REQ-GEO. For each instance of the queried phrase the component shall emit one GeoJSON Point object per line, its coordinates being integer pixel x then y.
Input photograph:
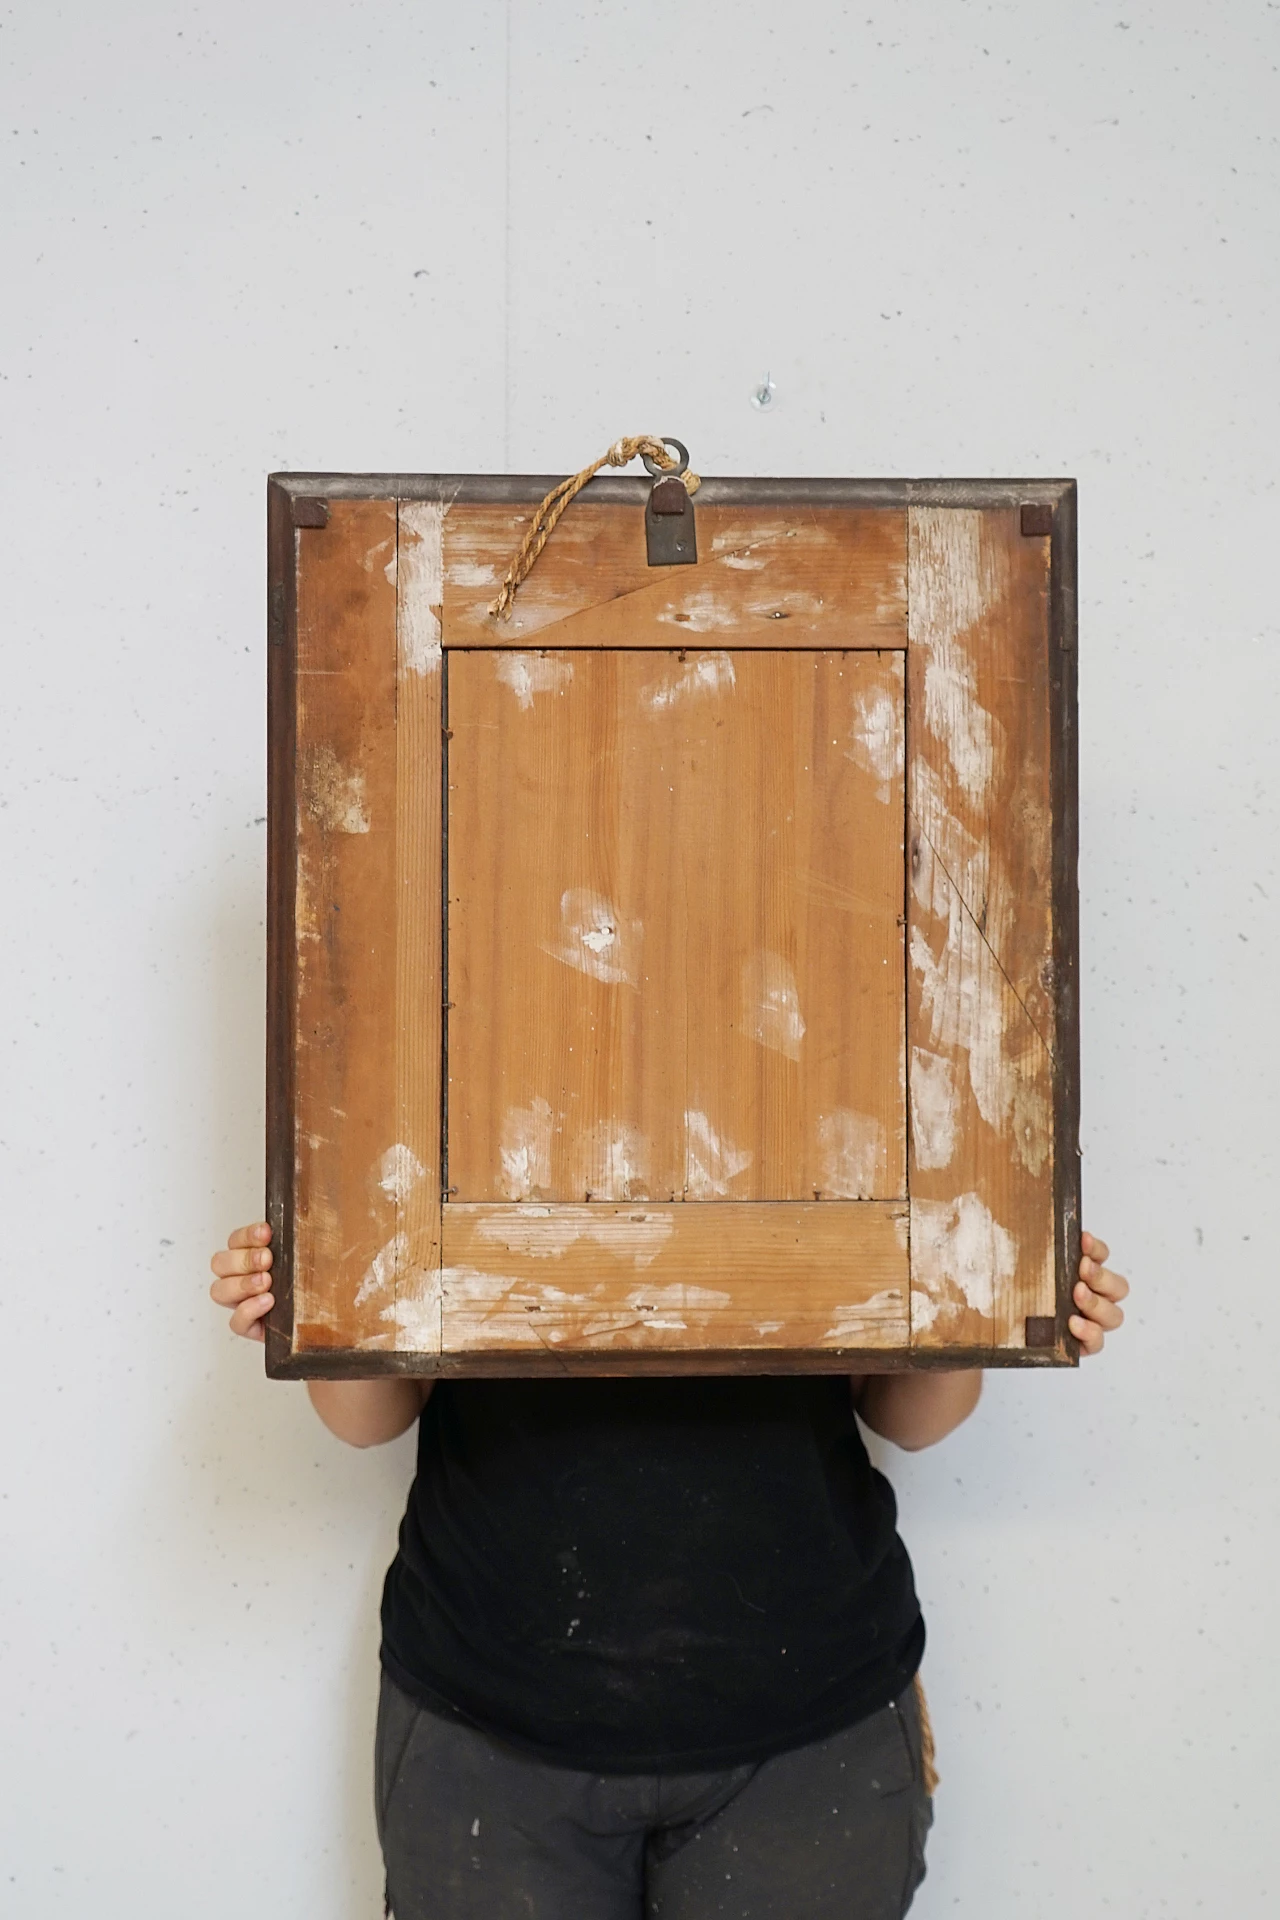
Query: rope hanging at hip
{"type": "Point", "coordinates": [545, 520]}
{"type": "Point", "coordinates": [928, 1753]}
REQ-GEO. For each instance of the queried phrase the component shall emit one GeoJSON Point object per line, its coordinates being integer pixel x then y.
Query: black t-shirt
{"type": "Point", "coordinates": [650, 1575]}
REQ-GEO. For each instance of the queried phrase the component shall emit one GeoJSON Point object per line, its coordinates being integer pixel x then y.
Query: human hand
{"type": "Point", "coordinates": [243, 1279]}
{"type": "Point", "coordinates": [1097, 1294]}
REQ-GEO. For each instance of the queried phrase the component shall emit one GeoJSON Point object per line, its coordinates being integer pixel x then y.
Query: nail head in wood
{"type": "Point", "coordinates": [1037, 519]}
{"type": "Point", "coordinates": [1042, 1328]}
{"type": "Point", "coordinates": [310, 513]}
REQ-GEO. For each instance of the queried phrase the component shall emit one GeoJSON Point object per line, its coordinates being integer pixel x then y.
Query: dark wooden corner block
{"type": "Point", "coordinates": [315, 513]}
{"type": "Point", "coordinates": [1042, 1330]}
{"type": "Point", "coordinates": [1037, 519]}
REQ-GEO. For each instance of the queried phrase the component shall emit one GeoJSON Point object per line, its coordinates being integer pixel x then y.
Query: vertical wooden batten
{"type": "Point", "coordinates": [980, 936]}
{"type": "Point", "coordinates": [416, 1152]}
{"type": "Point", "coordinates": [343, 1232]}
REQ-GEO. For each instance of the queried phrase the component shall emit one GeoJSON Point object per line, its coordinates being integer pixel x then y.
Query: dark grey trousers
{"type": "Point", "coordinates": [472, 1829]}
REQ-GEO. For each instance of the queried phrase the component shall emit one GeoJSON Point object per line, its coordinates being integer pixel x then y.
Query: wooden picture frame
{"type": "Point", "coordinates": [679, 975]}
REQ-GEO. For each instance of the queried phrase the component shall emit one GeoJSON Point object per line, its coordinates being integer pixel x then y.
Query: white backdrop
{"type": "Point", "coordinates": [962, 238]}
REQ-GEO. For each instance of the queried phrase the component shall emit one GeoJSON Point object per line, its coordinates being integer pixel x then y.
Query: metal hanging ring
{"type": "Point", "coordinates": [669, 473]}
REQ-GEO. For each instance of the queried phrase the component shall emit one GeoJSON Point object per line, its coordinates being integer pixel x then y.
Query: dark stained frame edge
{"type": "Point", "coordinates": [521, 489]}
{"type": "Point", "coordinates": [348, 1363]}
{"type": "Point", "coordinates": [1064, 788]}
{"type": "Point", "coordinates": [282, 657]}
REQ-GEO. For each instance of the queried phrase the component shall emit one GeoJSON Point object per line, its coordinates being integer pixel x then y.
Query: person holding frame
{"type": "Point", "coordinates": [650, 1647]}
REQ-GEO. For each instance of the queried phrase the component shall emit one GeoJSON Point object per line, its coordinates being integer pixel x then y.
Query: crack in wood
{"type": "Point", "coordinates": [980, 927]}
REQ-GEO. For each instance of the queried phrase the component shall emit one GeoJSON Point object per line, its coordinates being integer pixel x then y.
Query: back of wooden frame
{"type": "Point", "coordinates": [894, 662]}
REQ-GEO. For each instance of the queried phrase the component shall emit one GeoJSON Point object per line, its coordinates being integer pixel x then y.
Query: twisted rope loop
{"type": "Point", "coordinates": [545, 520]}
{"type": "Point", "coordinates": [928, 1753]}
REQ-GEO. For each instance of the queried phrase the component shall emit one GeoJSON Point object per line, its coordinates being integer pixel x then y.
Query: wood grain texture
{"type": "Point", "coordinates": [414, 1170]}
{"type": "Point", "coordinates": [550, 1279]}
{"type": "Point", "coordinates": [368, 927]}
{"type": "Point", "coordinates": [675, 939]}
{"type": "Point", "coordinates": [787, 878]}
{"type": "Point", "coordinates": [822, 577]}
{"type": "Point", "coordinates": [980, 978]}
{"type": "Point", "coordinates": [346, 955]}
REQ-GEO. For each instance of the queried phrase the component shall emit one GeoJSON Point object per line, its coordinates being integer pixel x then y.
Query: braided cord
{"type": "Point", "coordinates": [546, 519]}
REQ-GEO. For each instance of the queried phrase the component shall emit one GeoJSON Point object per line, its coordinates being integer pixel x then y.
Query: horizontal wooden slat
{"type": "Point", "coordinates": [829, 577]}
{"type": "Point", "coordinates": [758, 1275]}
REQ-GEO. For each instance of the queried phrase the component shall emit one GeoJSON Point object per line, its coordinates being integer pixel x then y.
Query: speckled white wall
{"type": "Point", "coordinates": [962, 238]}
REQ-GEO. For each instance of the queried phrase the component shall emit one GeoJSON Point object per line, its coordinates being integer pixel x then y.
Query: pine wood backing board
{"type": "Point", "coordinates": [766, 1278]}
{"type": "Point", "coordinates": [369, 618]}
{"type": "Point", "coordinates": [675, 926]}
{"type": "Point", "coordinates": [365, 903]}
{"type": "Point", "coordinates": [980, 929]}
{"type": "Point", "coordinates": [826, 577]}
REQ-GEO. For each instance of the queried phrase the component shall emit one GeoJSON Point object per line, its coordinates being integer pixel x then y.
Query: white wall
{"type": "Point", "coordinates": [964, 239]}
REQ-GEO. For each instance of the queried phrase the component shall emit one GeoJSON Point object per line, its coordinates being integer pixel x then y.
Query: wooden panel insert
{"type": "Point", "coordinates": [675, 926]}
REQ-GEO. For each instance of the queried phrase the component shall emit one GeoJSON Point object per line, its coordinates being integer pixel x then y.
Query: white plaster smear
{"type": "Point", "coordinates": [472, 573]}
{"type": "Point", "coordinates": [420, 584]}
{"type": "Point", "coordinates": [960, 1256]}
{"type": "Point", "coordinates": [530, 673]}
{"type": "Point", "coordinates": [786, 605]}
{"type": "Point", "coordinates": [711, 1161]}
{"type": "Point", "coordinates": [415, 1313]}
{"type": "Point", "coordinates": [399, 1171]}
{"type": "Point", "coordinates": [966, 858]}
{"type": "Point", "coordinates": [701, 612]}
{"type": "Point", "coordinates": [525, 1150]}
{"type": "Point", "coordinates": [877, 740]}
{"type": "Point", "coordinates": [950, 591]}
{"type": "Point", "coordinates": [742, 536]}
{"type": "Point", "coordinates": [852, 1154]}
{"type": "Point", "coordinates": [381, 1270]}
{"type": "Point", "coordinates": [962, 995]}
{"type": "Point", "coordinates": [853, 1323]}
{"type": "Point", "coordinates": [612, 1162]}
{"type": "Point", "coordinates": [664, 1308]}
{"type": "Point", "coordinates": [771, 1003]}
{"type": "Point", "coordinates": [481, 1305]}
{"type": "Point", "coordinates": [596, 939]}
{"type": "Point", "coordinates": [953, 715]}
{"type": "Point", "coordinates": [969, 1005]}
{"type": "Point", "coordinates": [335, 798]}
{"type": "Point", "coordinates": [707, 673]}
{"type": "Point", "coordinates": [933, 1108]}
{"type": "Point", "coordinates": [545, 1233]}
